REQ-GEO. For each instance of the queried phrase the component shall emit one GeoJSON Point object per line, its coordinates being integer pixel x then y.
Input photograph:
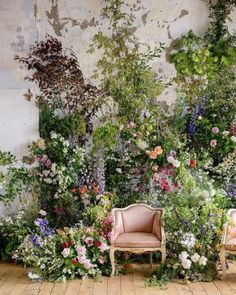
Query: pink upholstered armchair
{"type": "Point", "coordinates": [229, 240]}
{"type": "Point", "coordinates": [137, 228]}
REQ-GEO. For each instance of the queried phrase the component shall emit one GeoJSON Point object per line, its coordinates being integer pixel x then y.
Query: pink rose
{"type": "Point", "coordinates": [155, 177]}
{"type": "Point", "coordinates": [89, 241]}
{"type": "Point", "coordinates": [81, 250]}
{"type": "Point", "coordinates": [103, 247]}
{"type": "Point", "coordinates": [215, 130]}
{"type": "Point", "coordinates": [42, 212]}
{"type": "Point", "coordinates": [101, 260]}
{"type": "Point", "coordinates": [213, 143]}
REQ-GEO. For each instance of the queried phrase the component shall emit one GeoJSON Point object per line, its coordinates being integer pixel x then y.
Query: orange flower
{"type": "Point", "coordinates": [152, 155]}
{"type": "Point", "coordinates": [83, 189]}
{"type": "Point", "coordinates": [158, 150]}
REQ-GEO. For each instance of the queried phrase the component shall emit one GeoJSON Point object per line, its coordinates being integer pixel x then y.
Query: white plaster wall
{"type": "Point", "coordinates": [74, 22]}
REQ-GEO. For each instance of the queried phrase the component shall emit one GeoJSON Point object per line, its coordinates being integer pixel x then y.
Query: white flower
{"type": "Point", "coordinates": [42, 212]}
{"type": "Point", "coordinates": [53, 135]}
{"type": "Point", "coordinates": [195, 258]}
{"type": "Point", "coordinates": [183, 255]}
{"type": "Point", "coordinates": [33, 276]}
{"type": "Point", "coordinates": [64, 150]}
{"type": "Point", "coordinates": [141, 144]}
{"type": "Point", "coordinates": [66, 143]}
{"type": "Point", "coordinates": [200, 118]}
{"type": "Point", "coordinates": [42, 266]}
{"type": "Point", "coordinates": [188, 240]}
{"type": "Point", "coordinates": [66, 252]}
{"type": "Point", "coordinates": [233, 138]}
{"type": "Point", "coordinates": [203, 260]}
{"type": "Point", "coordinates": [186, 263]}
{"type": "Point", "coordinates": [225, 133]}
{"type": "Point", "coordinates": [119, 170]}
{"type": "Point", "coordinates": [170, 159]}
{"type": "Point", "coordinates": [176, 163]}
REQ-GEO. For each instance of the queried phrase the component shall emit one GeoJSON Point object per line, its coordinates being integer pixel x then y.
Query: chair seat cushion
{"type": "Point", "coordinates": [137, 240]}
{"type": "Point", "coordinates": [231, 245]}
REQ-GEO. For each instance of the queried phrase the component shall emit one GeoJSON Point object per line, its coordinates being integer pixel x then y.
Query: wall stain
{"type": "Point", "coordinates": [88, 23]}
{"type": "Point", "coordinates": [19, 44]}
{"type": "Point", "coordinates": [144, 17]}
{"type": "Point", "coordinates": [168, 31]}
{"type": "Point", "coordinates": [183, 13]}
{"type": "Point", "coordinates": [54, 19]}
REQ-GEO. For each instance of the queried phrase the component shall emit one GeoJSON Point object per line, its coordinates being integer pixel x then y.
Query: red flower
{"type": "Point", "coordinates": [193, 163]}
{"type": "Point", "coordinates": [67, 244]}
{"type": "Point", "coordinates": [98, 243]}
{"type": "Point", "coordinates": [74, 261]}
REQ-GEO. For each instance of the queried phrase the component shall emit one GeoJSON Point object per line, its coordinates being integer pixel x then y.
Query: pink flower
{"type": "Point", "coordinates": [89, 241]}
{"type": "Point", "coordinates": [42, 212]}
{"type": "Point", "coordinates": [81, 250]}
{"type": "Point", "coordinates": [215, 130]}
{"type": "Point", "coordinates": [84, 261]}
{"type": "Point", "coordinates": [101, 260]}
{"type": "Point", "coordinates": [155, 177]}
{"type": "Point", "coordinates": [103, 247]}
{"type": "Point", "coordinates": [66, 252]}
{"type": "Point", "coordinates": [213, 143]}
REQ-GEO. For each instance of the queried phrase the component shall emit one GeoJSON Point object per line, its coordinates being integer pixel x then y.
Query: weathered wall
{"type": "Point", "coordinates": [74, 22]}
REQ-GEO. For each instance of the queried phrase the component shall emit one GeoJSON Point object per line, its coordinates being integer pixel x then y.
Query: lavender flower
{"type": "Point", "coordinates": [198, 111]}
{"type": "Point", "coordinates": [100, 170]}
{"type": "Point", "coordinates": [35, 240]}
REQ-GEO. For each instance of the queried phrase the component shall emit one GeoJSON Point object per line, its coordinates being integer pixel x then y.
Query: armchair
{"type": "Point", "coordinates": [137, 228]}
{"type": "Point", "coordinates": [229, 240]}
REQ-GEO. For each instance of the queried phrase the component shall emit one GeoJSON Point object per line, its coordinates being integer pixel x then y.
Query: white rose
{"type": "Point", "coordinates": [203, 260]}
{"type": "Point", "coordinates": [176, 163]}
{"type": "Point", "coordinates": [42, 212]}
{"type": "Point", "coordinates": [183, 255]}
{"type": "Point", "coordinates": [66, 252]}
{"type": "Point", "coordinates": [233, 138]}
{"type": "Point", "coordinates": [186, 263]}
{"type": "Point", "coordinates": [53, 135]}
{"type": "Point", "coordinates": [225, 133]}
{"type": "Point", "coordinates": [195, 258]}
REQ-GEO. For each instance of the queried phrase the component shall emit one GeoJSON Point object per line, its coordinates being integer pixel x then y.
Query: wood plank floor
{"type": "Point", "coordinates": [14, 281]}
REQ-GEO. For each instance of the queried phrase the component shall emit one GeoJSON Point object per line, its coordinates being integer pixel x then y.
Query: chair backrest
{"type": "Point", "coordinates": [231, 230]}
{"type": "Point", "coordinates": [138, 218]}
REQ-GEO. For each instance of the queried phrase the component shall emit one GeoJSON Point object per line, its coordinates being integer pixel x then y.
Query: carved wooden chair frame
{"type": "Point", "coordinates": [137, 250]}
{"type": "Point", "coordinates": [224, 251]}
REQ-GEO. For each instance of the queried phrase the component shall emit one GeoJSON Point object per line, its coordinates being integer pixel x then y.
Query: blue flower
{"type": "Point", "coordinates": [35, 240]}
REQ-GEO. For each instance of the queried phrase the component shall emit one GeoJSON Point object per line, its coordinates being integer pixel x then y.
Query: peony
{"type": "Point", "coordinates": [195, 258]}
{"type": "Point", "coordinates": [66, 252]}
{"type": "Point", "coordinates": [89, 241]}
{"type": "Point", "coordinates": [215, 130]}
{"type": "Point", "coordinates": [213, 143]}
{"type": "Point", "coordinates": [233, 138]}
{"type": "Point", "coordinates": [203, 260]}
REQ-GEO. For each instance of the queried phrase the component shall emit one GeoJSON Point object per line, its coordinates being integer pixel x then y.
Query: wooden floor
{"type": "Point", "coordinates": [14, 281]}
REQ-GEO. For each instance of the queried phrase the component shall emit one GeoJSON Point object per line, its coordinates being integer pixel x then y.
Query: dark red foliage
{"type": "Point", "coordinates": [57, 73]}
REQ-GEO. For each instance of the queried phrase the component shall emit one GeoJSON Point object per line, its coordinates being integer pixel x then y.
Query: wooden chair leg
{"type": "Point", "coordinates": [223, 262]}
{"type": "Point", "coordinates": [163, 255]}
{"type": "Point", "coordinates": [150, 260]}
{"type": "Point", "coordinates": [112, 259]}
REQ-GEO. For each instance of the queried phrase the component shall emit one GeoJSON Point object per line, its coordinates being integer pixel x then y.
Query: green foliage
{"type": "Point", "coordinates": [72, 125]}
{"type": "Point", "coordinates": [104, 136]}
{"type": "Point", "coordinates": [124, 70]}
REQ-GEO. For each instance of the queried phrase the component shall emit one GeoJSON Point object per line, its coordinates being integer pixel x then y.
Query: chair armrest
{"type": "Point", "coordinates": [163, 236]}
{"type": "Point", "coordinates": [117, 225]}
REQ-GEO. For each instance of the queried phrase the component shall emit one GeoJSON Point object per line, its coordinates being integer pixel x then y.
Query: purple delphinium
{"type": "Point", "coordinates": [42, 224]}
{"type": "Point", "coordinates": [35, 240]}
{"type": "Point", "coordinates": [231, 190]}
{"type": "Point", "coordinates": [197, 112]}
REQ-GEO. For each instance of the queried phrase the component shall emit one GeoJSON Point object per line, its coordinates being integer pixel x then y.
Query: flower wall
{"type": "Point", "coordinates": [114, 145]}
